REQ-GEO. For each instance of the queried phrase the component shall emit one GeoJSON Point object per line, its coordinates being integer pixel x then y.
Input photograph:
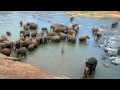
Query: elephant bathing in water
{"type": "Point", "coordinates": [90, 66]}
{"type": "Point", "coordinates": [95, 30]}
{"type": "Point", "coordinates": [21, 51]}
{"type": "Point", "coordinates": [114, 25]}
{"type": "Point", "coordinates": [83, 38]}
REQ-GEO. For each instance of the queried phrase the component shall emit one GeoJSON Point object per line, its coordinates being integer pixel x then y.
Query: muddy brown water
{"type": "Point", "coordinates": [49, 56]}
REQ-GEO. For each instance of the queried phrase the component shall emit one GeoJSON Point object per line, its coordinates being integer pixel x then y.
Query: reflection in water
{"type": "Point", "coordinates": [62, 58]}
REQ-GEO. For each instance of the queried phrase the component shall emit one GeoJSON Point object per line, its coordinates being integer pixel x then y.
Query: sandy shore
{"type": "Point", "coordinates": [10, 69]}
{"type": "Point", "coordinates": [95, 14]}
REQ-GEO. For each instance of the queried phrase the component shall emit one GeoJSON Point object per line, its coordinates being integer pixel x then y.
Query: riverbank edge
{"type": "Point", "coordinates": [10, 69]}
{"type": "Point", "coordinates": [113, 14]}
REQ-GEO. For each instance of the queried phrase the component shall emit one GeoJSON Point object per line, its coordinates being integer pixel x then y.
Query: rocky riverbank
{"type": "Point", "coordinates": [10, 69]}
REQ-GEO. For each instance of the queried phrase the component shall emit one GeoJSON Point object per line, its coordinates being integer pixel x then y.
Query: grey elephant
{"type": "Point", "coordinates": [32, 25]}
{"type": "Point", "coordinates": [90, 66]}
{"type": "Point", "coordinates": [16, 44]}
{"type": "Point", "coordinates": [26, 27]}
{"type": "Point", "coordinates": [76, 29]}
{"type": "Point", "coordinates": [3, 38]}
{"type": "Point", "coordinates": [83, 38]}
{"type": "Point", "coordinates": [71, 38]}
{"type": "Point", "coordinates": [26, 33]}
{"type": "Point", "coordinates": [34, 34]}
{"type": "Point", "coordinates": [55, 38]}
{"type": "Point", "coordinates": [114, 25]}
{"type": "Point", "coordinates": [21, 51]}
{"type": "Point", "coordinates": [2, 45]}
{"type": "Point", "coordinates": [62, 35]}
{"type": "Point", "coordinates": [55, 26]}
{"type": "Point", "coordinates": [39, 39]}
{"type": "Point", "coordinates": [98, 35]}
{"type": "Point", "coordinates": [50, 33]}
{"type": "Point", "coordinates": [71, 31]}
{"type": "Point", "coordinates": [34, 41]}
{"type": "Point", "coordinates": [95, 30]}
{"type": "Point", "coordinates": [6, 51]}
{"type": "Point", "coordinates": [71, 18]}
{"type": "Point", "coordinates": [31, 47]}
{"type": "Point", "coordinates": [9, 44]}
{"type": "Point", "coordinates": [44, 28]}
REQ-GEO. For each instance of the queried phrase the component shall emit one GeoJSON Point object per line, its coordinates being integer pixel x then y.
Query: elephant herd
{"type": "Point", "coordinates": [57, 32]}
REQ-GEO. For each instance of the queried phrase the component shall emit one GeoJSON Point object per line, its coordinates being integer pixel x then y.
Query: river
{"type": "Point", "coordinates": [48, 56]}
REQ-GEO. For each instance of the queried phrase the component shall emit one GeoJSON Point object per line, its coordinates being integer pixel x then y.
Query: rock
{"type": "Point", "coordinates": [116, 61]}
{"type": "Point", "coordinates": [106, 65]}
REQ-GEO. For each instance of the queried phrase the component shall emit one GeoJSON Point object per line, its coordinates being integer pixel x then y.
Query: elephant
{"type": "Point", "coordinates": [98, 35]}
{"type": "Point", "coordinates": [95, 30]}
{"type": "Point", "coordinates": [16, 44]}
{"type": "Point", "coordinates": [71, 38]}
{"type": "Point", "coordinates": [3, 38]}
{"type": "Point", "coordinates": [62, 28]}
{"type": "Point", "coordinates": [50, 33]}
{"type": "Point", "coordinates": [44, 28]}
{"type": "Point", "coordinates": [26, 27]}
{"type": "Point", "coordinates": [114, 25]}
{"type": "Point", "coordinates": [34, 41]}
{"type": "Point", "coordinates": [62, 35]}
{"type": "Point", "coordinates": [32, 25]}
{"type": "Point", "coordinates": [21, 51]}
{"type": "Point", "coordinates": [26, 33]}
{"type": "Point", "coordinates": [2, 45]}
{"type": "Point", "coordinates": [71, 18]}
{"type": "Point", "coordinates": [34, 34]}
{"type": "Point", "coordinates": [8, 33]}
{"type": "Point", "coordinates": [6, 51]}
{"type": "Point", "coordinates": [71, 31]}
{"type": "Point", "coordinates": [31, 47]}
{"type": "Point", "coordinates": [83, 38]}
{"type": "Point", "coordinates": [39, 39]}
{"type": "Point", "coordinates": [55, 26]}
{"type": "Point", "coordinates": [9, 44]}
{"type": "Point", "coordinates": [74, 25]}
{"type": "Point", "coordinates": [90, 66]}
{"type": "Point", "coordinates": [55, 38]}
{"type": "Point", "coordinates": [76, 28]}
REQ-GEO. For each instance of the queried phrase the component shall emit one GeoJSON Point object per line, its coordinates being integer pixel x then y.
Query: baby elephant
{"type": "Point", "coordinates": [83, 38]}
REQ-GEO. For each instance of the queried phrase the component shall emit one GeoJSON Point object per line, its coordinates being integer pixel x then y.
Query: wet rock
{"type": "Point", "coordinates": [106, 65]}
{"type": "Point", "coordinates": [115, 60]}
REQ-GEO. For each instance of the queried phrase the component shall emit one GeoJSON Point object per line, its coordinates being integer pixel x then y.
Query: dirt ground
{"type": "Point", "coordinates": [10, 69]}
